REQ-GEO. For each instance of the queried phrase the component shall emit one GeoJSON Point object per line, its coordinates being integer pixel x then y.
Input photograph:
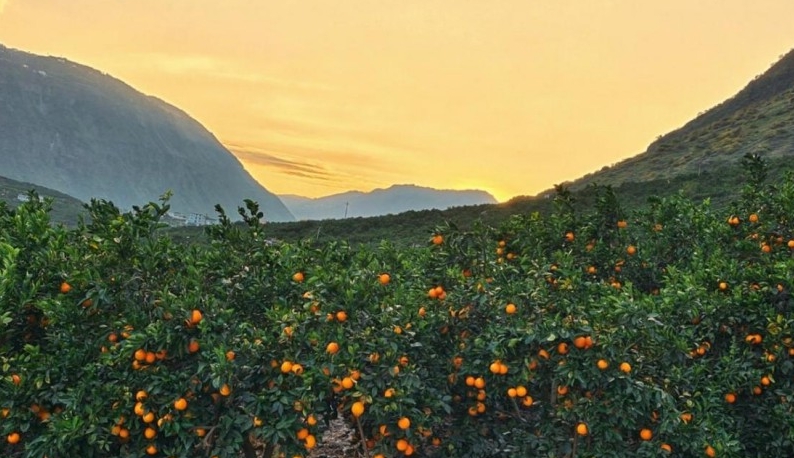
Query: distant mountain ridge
{"type": "Point", "coordinates": [74, 129]}
{"type": "Point", "coordinates": [759, 119]}
{"type": "Point", "coordinates": [392, 200]}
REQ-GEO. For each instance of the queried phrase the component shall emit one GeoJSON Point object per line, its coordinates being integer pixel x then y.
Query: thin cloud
{"type": "Point", "coordinates": [295, 168]}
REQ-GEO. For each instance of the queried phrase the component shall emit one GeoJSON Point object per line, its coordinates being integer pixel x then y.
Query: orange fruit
{"type": "Point", "coordinates": [140, 354]}
{"type": "Point", "coordinates": [543, 354]}
{"type": "Point", "coordinates": [569, 237]}
{"type": "Point", "coordinates": [562, 390]}
{"type": "Point", "coordinates": [646, 434]}
{"type": "Point", "coordinates": [286, 367]}
{"type": "Point", "coordinates": [602, 364]}
{"type": "Point", "coordinates": [479, 383]}
{"type": "Point", "coordinates": [622, 224]}
{"type": "Point", "coordinates": [149, 433]}
{"type": "Point", "coordinates": [766, 381]}
{"type": "Point", "coordinates": [388, 393]}
{"type": "Point", "coordinates": [384, 279]}
{"type": "Point", "coordinates": [13, 438]}
{"type": "Point", "coordinates": [521, 391]}
{"type": "Point", "coordinates": [438, 239]}
{"type": "Point", "coordinates": [297, 277]}
{"type": "Point", "coordinates": [332, 348]}
{"type": "Point", "coordinates": [404, 423]}
{"type": "Point", "coordinates": [581, 429]}
{"type": "Point", "coordinates": [666, 447]}
{"type": "Point", "coordinates": [310, 442]}
{"type": "Point", "coordinates": [511, 392]}
{"type": "Point", "coordinates": [16, 379]}
{"type": "Point", "coordinates": [730, 398]}
{"type": "Point", "coordinates": [753, 339]}
{"type": "Point", "coordinates": [580, 342]}
{"type": "Point", "coordinates": [631, 250]}
{"type": "Point", "coordinates": [65, 287]}
{"type": "Point", "coordinates": [151, 450]}
{"type": "Point", "coordinates": [625, 367]}
{"type": "Point", "coordinates": [347, 383]}
{"type": "Point", "coordinates": [180, 404]}
{"type": "Point", "coordinates": [225, 390]}
{"type": "Point", "coordinates": [341, 316]}
{"type": "Point", "coordinates": [401, 445]}
{"type": "Point", "coordinates": [710, 452]}
{"type": "Point", "coordinates": [297, 369]}
{"type": "Point", "coordinates": [510, 309]}
{"type": "Point", "coordinates": [753, 218]}
{"type": "Point", "coordinates": [302, 434]}
{"type": "Point", "coordinates": [357, 409]}
{"type": "Point", "coordinates": [311, 420]}
{"type": "Point", "coordinates": [527, 401]}
{"type": "Point", "coordinates": [686, 417]}
{"type": "Point", "coordinates": [723, 286]}
{"type": "Point", "coordinates": [195, 317]}
{"type": "Point", "coordinates": [193, 346]}
{"type": "Point", "coordinates": [230, 355]}
{"type": "Point", "coordinates": [562, 348]}
{"type": "Point", "coordinates": [148, 417]}
{"type": "Point", "coordinates": [151, 357]}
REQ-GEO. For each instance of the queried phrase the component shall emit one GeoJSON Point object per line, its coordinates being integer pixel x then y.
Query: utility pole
{"type": "Point", "coordinates": [347, 204]}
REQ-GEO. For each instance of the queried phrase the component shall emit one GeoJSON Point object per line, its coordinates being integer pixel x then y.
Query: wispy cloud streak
{"type": "Point", "coordinates": [290, 167]}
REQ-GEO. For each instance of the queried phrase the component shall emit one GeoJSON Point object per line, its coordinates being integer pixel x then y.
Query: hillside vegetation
{"type": "Point", "coordinates": [65, 209]}
{"type": "Point", "coordinates": [759, 119]}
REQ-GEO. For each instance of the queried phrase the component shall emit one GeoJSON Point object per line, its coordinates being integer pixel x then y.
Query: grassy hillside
{"type": "Point", "coordinates": [757, 120]}
{"type": "Point", "coordinates": [65, 209]}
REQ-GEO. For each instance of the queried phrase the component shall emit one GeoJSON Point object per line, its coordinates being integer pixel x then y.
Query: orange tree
{"type": "Point", "coordinates": [660, 331]}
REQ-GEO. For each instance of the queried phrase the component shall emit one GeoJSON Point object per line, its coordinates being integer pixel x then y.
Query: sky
{"type": "Point", "coordinates": [318, 97]}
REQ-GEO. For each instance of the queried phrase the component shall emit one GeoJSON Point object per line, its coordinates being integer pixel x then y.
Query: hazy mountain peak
{"type": "Point", "coordinates": [382, 201]}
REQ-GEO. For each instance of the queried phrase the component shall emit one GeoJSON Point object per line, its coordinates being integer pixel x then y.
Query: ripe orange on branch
{"type": "Point", "coordinates": [357, 409]}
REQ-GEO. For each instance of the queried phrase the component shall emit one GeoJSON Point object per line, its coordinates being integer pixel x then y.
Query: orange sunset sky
{"type": "Point", "coordinates": [317, 97]}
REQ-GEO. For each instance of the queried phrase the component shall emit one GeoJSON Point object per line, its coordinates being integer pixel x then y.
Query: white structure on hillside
{"type": "Point", "coordinates": [198, 219]}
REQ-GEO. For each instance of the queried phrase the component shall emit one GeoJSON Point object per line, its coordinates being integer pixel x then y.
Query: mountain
{"type": "Point", "coordinates": [395, 199]}
{"type": "Point", "coordinates": [758, 119]}
{"type": "Point", "coordinates": [79, 131]}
